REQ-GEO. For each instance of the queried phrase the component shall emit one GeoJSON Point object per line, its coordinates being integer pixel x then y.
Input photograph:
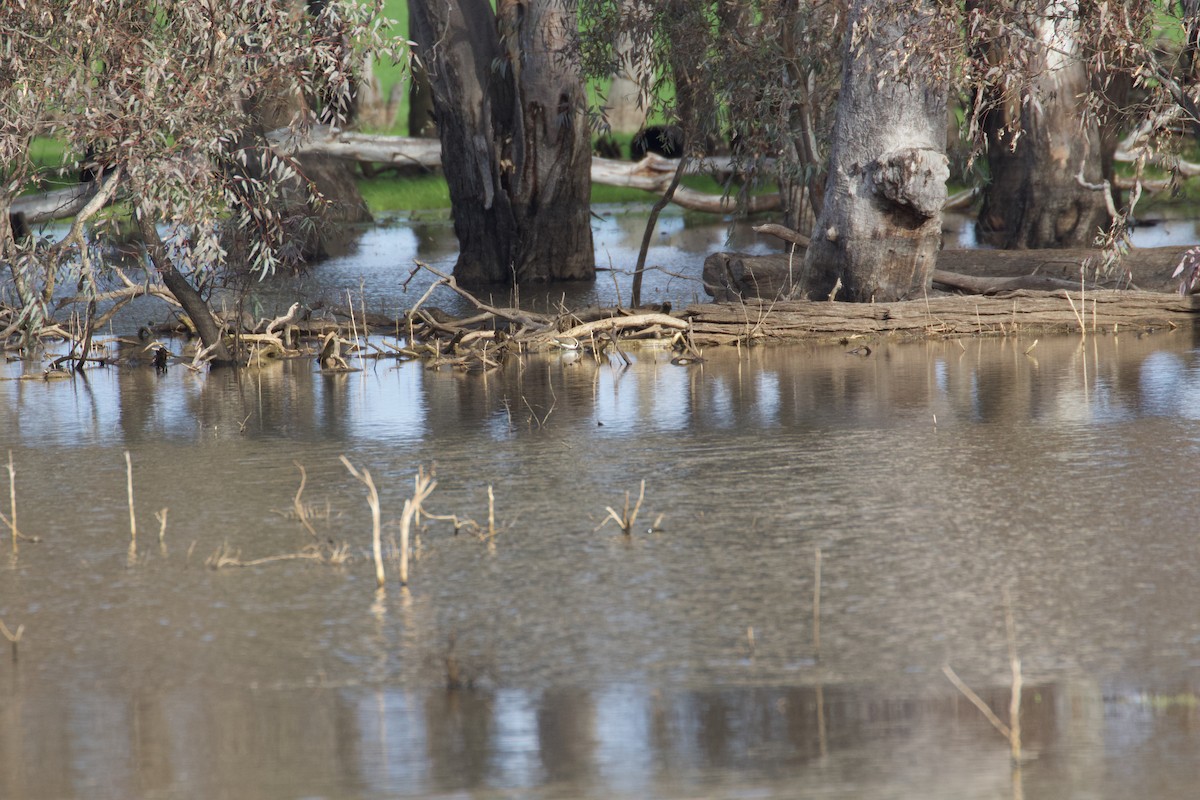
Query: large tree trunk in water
{"type": "Point", "coordinates": [878, 233]}
{"type": "Point", "coordinates": [1038, 145]}
{"type": "Point", "coordinates": [515, 142]}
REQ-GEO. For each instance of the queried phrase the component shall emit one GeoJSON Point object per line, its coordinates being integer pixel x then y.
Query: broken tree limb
{"type": "Point", "coordinates": [526, 318]}
{"type": "Point", "coordinates": [613, 324]}
{"type": "Point", "coordinates": [654, 173]}
{"type": "Point", "coordinates": [783, 232]}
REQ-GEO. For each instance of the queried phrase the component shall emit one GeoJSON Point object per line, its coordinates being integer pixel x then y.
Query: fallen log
{"type": "Point", "coordinates": [730, 276]}
{"type": "Point", "coordinates": [54, 204]}
{"type": "Point", "coordinates": [381, 149]}
{"type": "Point", "coordinates": [758, 320]}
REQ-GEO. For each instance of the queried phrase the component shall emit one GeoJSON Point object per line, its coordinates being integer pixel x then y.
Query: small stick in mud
{"type": "Point", "coordinates": [129, 485]}
{"type": "Point", "coordinates": [373, 502]}
{"type": "Point", "coordinates": [13, 638]}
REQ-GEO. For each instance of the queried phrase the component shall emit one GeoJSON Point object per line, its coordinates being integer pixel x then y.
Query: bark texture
{"type": "Point", "coordinates": [515, 142]}
{"type": "Point", "coordinates": [1022, 311]}
{"type": "Point", "coordinates": [878, 233]}
{"type": "Point", "coordinates": [1040, 145]}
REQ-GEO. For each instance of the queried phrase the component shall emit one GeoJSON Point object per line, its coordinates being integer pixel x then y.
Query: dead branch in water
{"type": "Point", "coordinates": [129, 485]}
{"type": "Point", "coordinates": [1011, 731]}
{"type": "Point", "coordinates": [423, 486]}
{"type": "Point", "coordinates": [301, 510]}
{"type": "Point", "coordinates": [373, 501]}
{"type": "Point", "coordinates": [627, 519]}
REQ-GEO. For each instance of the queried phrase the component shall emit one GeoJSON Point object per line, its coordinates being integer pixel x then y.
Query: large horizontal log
{"type": "Point", "coordinates": [652, 174]}
{"type": "Point", "coordinates": [729, 276]}
{"type": "Point", "coordinates": [1021, 311]}
{"type": "Point", "coordinates": [396, 150]}
{"type": "Point", "coordinates": [56, 204]}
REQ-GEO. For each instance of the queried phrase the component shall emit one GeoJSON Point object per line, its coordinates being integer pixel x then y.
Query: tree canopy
{"type": "Point", "coordinates": [162, 94]}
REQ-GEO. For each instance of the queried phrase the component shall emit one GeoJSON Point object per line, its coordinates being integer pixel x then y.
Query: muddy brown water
{"type": "Point", "coordinates": [676, 663]}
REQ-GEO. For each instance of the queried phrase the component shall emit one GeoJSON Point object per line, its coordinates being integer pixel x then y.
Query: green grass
{"type": "Point", "coordinates": [389, 193]}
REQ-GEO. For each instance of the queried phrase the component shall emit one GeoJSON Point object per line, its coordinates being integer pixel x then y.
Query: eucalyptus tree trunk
{"type": "Point", "coordinates": [1042, 148]}
{"type": "Point", "coordinates": [878, 233]}
{"type": "Point", "coordinates": [516, 148]}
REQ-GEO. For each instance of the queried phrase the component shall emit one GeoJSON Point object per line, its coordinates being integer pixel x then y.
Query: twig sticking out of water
{"type": "Point", "coordinates": [627, 519]}
{"type": "Point", "coordinates": [1014, 702]}
{"type": "Point", "coordinates": [129, 485]}
{"type": "Point", "coordinates": [161, 516]}
{"type": "Point", "coordinates": [817, 604]}
{"type": "Point", "coordinates": [11, 521]}
{"type": "Point", "coordinates": [373, 502]}
{"type": "Point", "coordinates": [1075, 311]}
{"type": "Point", "coordinates": [302, 512]}
{"type": "Point", "coordinates": [491, 515]}
{"type": "Point", "coordinates": [354, 328]}
{"type": "Point", "coordinates": [13, 638]}
{"type": "Point", "coordinates": [1011, 731]}
{"type": "Point", "coordinates": [423, 486]}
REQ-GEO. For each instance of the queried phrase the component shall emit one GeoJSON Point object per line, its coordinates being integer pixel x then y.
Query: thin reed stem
{"type": "Point", "coordinates": [491, 513]}
{"type": "Point", "coordinates": [817, 603]}
{"type": "Point", "coordinates": [129, 485]}
{"type": "Point", "coordinates": [423, 486]}
{"type": "Point", "coordinates": [298, 505]}
{"type": "Point", "coordinates": [12, 501]}
{"type": "Point", "coordinates": [161, 516]}
{"type": "Point", "coordinates": [354, 329]}
{"type": "Point", "coordinates": [373, 501]}
{"type": "Point", "coordinates": [1014, 702]}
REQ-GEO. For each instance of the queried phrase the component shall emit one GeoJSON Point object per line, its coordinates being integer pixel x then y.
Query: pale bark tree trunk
{"type": "Point", "coordinates": [1040, 142]}
{"type": "Point", "coordinates": [879, 231]}
{"type": "Point", "coordinates": [516, 147]}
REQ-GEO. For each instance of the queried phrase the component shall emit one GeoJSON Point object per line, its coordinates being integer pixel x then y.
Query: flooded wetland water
{"type": "Point", "coordinates": [571, 660]}
{"type": "Point", "coordinates": [673, 663]}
